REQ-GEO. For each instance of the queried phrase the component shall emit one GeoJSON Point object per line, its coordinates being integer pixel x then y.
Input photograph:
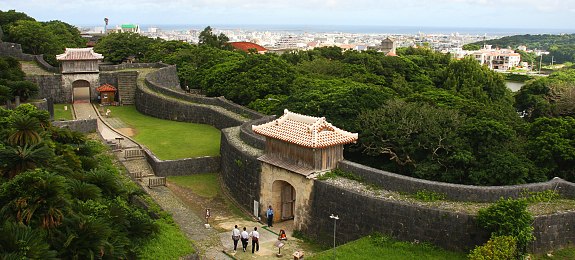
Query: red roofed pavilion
{"type": "Point", "coordinates": [303, 144]}
{"type": "Point", "coordinates": [107, 93]}
{"type": "Point", "coordinates": [247, 46]}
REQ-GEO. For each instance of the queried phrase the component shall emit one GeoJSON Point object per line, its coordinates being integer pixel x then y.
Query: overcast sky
{"type": "Point", "coordinates": [552, 14]}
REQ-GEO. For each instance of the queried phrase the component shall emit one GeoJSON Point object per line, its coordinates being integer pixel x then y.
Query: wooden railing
{"type": "Point", "coordinates": [133, 153]}
{"type": "Point", "coordinates": [156, 181]}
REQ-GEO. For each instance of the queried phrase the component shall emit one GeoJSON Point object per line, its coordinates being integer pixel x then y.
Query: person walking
{"type": "Point", "coordinates": [270, 216]}
{"type": "Point", "coordinates": [255, 235]}
{"type": "Point", "coordinates": [245, 237]}
{"type": "Point", "coordinates": [235, 237]}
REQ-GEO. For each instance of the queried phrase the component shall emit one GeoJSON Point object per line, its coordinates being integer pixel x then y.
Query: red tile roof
{"type": "Point", "coordinates": [106, 88]}
{"type": "Point", "coordinates": [79, 54]}
{"type": "Point", "coordinates": [307, 131]}
{"type": "Point", "coordinates": [246, 46]}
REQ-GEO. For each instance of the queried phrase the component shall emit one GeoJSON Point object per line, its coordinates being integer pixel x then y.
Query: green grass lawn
{"type": "Point", "coordinates": [61, 114]}
{"type": "Point", "coordinates": [377, 247]}
{"type": "Point", "coordinates": [170, 140]}
{"type": "Point", "coordinates": [169, 243]}
{"type": "Point", "coordinates": [205, 184]}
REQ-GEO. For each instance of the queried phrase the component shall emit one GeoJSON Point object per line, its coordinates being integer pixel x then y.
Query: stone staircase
{"type": "Point", "coordinates": [127, 81]}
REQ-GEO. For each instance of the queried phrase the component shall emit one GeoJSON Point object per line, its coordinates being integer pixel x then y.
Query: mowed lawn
{"type": "Point", "coordinates": [170, 140]}
{"type": "Point", "coordinates": [374, 247]}
{"type": "Point", "coordinates": [61, 114]}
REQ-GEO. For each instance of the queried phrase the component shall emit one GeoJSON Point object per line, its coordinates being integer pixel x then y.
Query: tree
{"type": "Point", "coordinates": [471, 80]}
{"type": "Point", "coordinates": [207, 37]}
{"type": "Point", "coordinates": [18, 241]}
{"type": "Point", "coordinates": [33, 37]}
{"type": "Point", "coordinates": [409, 133]}
{"type": "Point", "coordinates": [118, 47]}
{"type": "Point", "coordinates": [26, 130]}
{"type": "Point", "coordinates": [471, 47]}
{"type": "Point", "coordinates": [9, 17]}
{"type": "Point", "coordinates": [22, 158]}
{"type": "Point", "coordinates": [24, 89]}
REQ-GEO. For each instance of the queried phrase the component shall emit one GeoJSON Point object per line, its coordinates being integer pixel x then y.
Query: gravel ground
{"type": "Point", "coordinates": [544, 208]}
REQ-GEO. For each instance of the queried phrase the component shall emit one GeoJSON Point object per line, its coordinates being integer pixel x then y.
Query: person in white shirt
{"type": "Point", "coordinates": [235, 236]}
{"type": "Point", "coordinates": [255, 240]}
{"type": "Point", "coordinates": [245, 237]}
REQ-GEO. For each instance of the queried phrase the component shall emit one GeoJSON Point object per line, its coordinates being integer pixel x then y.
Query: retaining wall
{"type": "Point", "coordinates": [15, 50]}
{"type": "Point", "coordinates": [131, 66]}
{"type": "Point", "coordinates": [456, 192]}
{"type": "Point", "coordinates": [240, 169]}
{"type": "Point", "coordinates": [153, 103]}
{"type": "Point", "coordinates": [361, 215]}
{"type": "Point", "coordinates": [80, 125]}
{"type": "Point", "coordinates": [188, 166]}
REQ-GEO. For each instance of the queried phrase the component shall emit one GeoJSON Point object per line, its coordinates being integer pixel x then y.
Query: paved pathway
{"type": "Point", "coordinates": [211, 243]}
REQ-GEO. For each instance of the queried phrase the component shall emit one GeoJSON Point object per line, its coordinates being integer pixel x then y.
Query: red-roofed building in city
{"type": "Point", "coordinates": [248, 46]}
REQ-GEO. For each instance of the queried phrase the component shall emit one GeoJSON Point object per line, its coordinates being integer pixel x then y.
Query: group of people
{"type": "Point", "coordinates": [245, 237]}
{"type": "Point", "coordinates": [254, 235]}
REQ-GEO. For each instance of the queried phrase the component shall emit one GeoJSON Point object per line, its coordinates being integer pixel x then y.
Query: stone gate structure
{"type": "Point", "coordinates": [297, 149]}
{"type": "Point", "coordinates": [80, 73]}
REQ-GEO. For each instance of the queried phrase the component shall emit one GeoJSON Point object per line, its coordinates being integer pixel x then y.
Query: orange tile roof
{"type": "Point", "coordinates": [307, 131]}
{"type": "Point", "coordinates": [79, 54]}
{"type": "Point", "coordinates": [246, 46]}
{"type": "Point", "coordinates": [106, 88]}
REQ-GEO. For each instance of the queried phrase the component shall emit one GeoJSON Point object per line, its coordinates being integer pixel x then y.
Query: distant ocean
{"type": "Point", "coordinates": [369, 29]}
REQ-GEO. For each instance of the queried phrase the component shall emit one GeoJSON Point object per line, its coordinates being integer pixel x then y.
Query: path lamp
{"type": "Point", "coordinates": [335, 218]}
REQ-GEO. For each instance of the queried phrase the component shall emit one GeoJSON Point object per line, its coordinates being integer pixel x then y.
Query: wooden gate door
{"type": "Point", "coordinates": [288, 202]}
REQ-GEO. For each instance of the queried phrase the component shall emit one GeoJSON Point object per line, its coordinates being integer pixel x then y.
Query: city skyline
{"type": "Point", "coordinates": [552, 14]}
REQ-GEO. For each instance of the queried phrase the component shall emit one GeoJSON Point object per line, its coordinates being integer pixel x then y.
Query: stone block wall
{"type": "Point", "coordinates": [152, 103]}
{"type": "Point", "coordinates": [361, 215]}
{"type": "Point", "coordinates": [15, 50]}
{"type": "Point", "coordinates": [131, 66]}
{"type": "Point", "coordinates": [240, 170]}
{"type": "Point", "coordinates": [81, 125]}
{"type": "Point", "coordinates": [248, 136]}
{"type": "Point", "coordinates": [51, 87]}
{"type": "Point", "coordinates": [188, 166]}
{"type": "Point", "coordinates": [456, 192]}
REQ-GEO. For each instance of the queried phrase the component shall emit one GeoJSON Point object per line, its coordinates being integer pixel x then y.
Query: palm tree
{"type": "Point", "coordinates": [19, 159]}
{"type": "Point", "coordinates": [36, 198]}
{"type": "Point", "coordinates": [18, 241]}
{"type": "Point", "coordinates": [26, 130]}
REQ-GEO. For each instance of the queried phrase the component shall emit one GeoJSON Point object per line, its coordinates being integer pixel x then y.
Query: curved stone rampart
{"type": "Point", "coordinates": [456, 192]}
{"type": "Point", "coordinates": [361, 215]}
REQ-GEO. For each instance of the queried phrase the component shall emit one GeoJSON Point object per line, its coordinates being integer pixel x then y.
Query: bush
{"type": "Point", "coordinates": [509, 217]}
{"type": "Point", "coordinates": [497, 248]}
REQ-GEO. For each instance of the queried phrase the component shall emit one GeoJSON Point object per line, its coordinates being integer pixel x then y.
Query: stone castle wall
{"type": "Point", "coordinates": [15, 50]}
{"type": "Point", "coordinates": [188, 166]}
{"type": "Point", "coordinates": [359, 215]}
{"type": "Point", "coordinates": [80, 125]}
{"type": "Point", "coordinates": [455, 192]}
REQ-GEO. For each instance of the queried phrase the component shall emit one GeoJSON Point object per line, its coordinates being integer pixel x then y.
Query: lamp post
{"type": "Point", "coordinates": [335, 218]}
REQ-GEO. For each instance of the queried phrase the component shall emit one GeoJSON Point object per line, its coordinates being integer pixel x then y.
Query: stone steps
{"type": "Point", "coordinates": [127, 82]}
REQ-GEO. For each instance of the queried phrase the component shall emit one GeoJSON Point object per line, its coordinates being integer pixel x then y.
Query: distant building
{"type": "Point", "coordinates": [247, 46]}
{"type": "Point", "coordinates": [134, 28]}
{"type": "Point", "coordinates": [497, 59]}
{"type": "Point", "coordinates": [387, 46]}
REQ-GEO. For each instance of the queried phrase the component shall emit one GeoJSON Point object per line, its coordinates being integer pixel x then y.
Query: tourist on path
{"type": "Point", "coordinates": [255, 235]}
{"type": "Point", "coordinates": [270, 216]}
{"type": "Point", "coordinates": [245, 238]}
{"type": "Point", "coordinates": [235, 237]}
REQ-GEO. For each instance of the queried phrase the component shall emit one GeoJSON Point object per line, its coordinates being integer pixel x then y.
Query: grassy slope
{"type": "Point", "coordinates": [61, 114]}
{"type": "Point", "coordinates": [169, 243]}
{"type": "Point", "coordinates": [364, 248]}
{"type": "Point", "coordinates": [205, 184]}
{"type": "Point", "coordinates": [170, 140]}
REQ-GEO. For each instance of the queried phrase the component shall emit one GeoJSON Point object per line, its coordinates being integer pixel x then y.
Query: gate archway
{"type": "Point", "coordinates": [81, 91]}
{"type": "Point", "coordinates": [284, 200]}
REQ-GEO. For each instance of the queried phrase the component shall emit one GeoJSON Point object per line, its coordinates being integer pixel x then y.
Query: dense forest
{"type": "Point", "coordinates": [420, 113]}
{"type": "Point", "coordinates": [561, 47]}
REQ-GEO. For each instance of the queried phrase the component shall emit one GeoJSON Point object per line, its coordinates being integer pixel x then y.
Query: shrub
{"type": "Point", "coordinates": [497, 248]}
{"type": "Point", "coordinates": [509, 217]}
{"type": "Point", "coordinates": [429, 196]}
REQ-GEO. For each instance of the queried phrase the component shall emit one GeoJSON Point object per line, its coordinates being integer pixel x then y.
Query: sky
{"type": "Point", "coordinates": [552, 14]}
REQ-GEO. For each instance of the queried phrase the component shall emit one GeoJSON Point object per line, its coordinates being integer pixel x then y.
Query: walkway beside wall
{"type": "Point", "coordinates": [210, 243]}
